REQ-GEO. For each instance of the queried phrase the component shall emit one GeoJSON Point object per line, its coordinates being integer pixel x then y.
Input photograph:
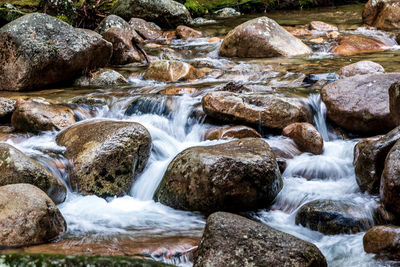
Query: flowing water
{"type": "Point", "coordinates": [174, 127]}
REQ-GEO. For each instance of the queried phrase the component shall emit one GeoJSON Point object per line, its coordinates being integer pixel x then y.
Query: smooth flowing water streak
{"type": "Point", "coordinates": [319, 109]}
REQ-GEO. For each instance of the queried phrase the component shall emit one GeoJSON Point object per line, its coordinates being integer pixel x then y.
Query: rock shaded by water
{"type": "Point", "coordinates": [264, 110]}
{"type": "Point", "coordinates": [28, 216]}
{"type": "Point", "coordinates": [360, 68]}
{"type": "Point", "coordinates": [261, 37]}
{"type": "Point", "coordinates": [171, 71]}
{"type": "Point", "coordinates": [167, 13]}
{"type": "Point", "coordinates": [333, 217]}
{"type": "Point", "coordinates": [38, 50]}
{"type": "Point", "coordinates": [306, 137]}
{"type": "Point", "coordinates": [236, 176]}
{"type": "Point", "coordinates": [107, 155]}
{"type": "Point", "coordinates": [16, 167]}
{"type": "Point", "coordinates": [232, 240]}
{"type": "Point", "coordinates": [360, 103]}
{"type": "Point", "coordinates": [35, 115]}
{"type": "Point", "coordinates": [369, 159]}
{"type": "Point", "coordinates": [382, 14]}
{"type": "Point", "coordinates": [383, 240]}
{"type": "Point", "coordinates": [231, 132]}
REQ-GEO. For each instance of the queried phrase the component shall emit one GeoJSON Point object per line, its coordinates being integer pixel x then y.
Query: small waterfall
{"type": "Point", "coordinates": [319, 109]}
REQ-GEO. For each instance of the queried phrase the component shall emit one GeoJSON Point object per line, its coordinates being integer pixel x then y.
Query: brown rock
{"type": "Point", "coordinates": [306, 137]}
{"type": "Point", "coordinates": [34, 115]}
{"type": "Point", "coordinates": [107, 155]}
{"type": "Point", "coordinates": [333, 34]}
{"type": "Point", "coordinates": [232, 240]}
{"type": "Point", "coordinates": [319, 40]}
{"type": "Point", "coordinates": [390, 180]}
{"type": "Point", "coordinates": [357, 44]}
{"type": "Point", "coordinates": [123, 50]}
{"type": "Point", "coordinates": [394, 102]}
{"type": "Point", "coordinates": [261, 37]}
{"type": "Point", "coordinates": [185, 32]}
{"type": "Point", "coordinates": [360, 103]}
{"type": "Point", "coordinates": [383, 240]}
{"type": "Point", "coordinates": [231, 132]}
{"type": "Point", "coordinates": [235, 176]}
{"type": "Point", "coordinates": [171, 71]}
{"type": "Point", "coordinates": [360, 68]}
{"type": "Point", "coordinates": [145, 29]}
{"type": "Point", "coordinates": [258, 109]}
{"type": "Point", "coordinates": [322, 26]}
{"type": "Point", "coordinates": [382, 14]}
{"type": "Point", "coordinates": [179, 91]}
{"type": "Point", "coordinates": [297, 31]}
{"type": "Point", "coordinates": [169, 35]}
{"type": "Point", "coordinates": [28, 216]}
{"type": "Point", "coordinates": [214, 40]}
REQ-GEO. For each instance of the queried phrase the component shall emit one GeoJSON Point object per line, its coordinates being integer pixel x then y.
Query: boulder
{"type": "Point", "coordinates": [28, 216]}
{"type": "Point", "coordinates": [360, 103]}
{"type": "Point", "coordinates": [357, 44]}
{"type": "Point", "coordinates": [236, 176]}
{"type": "Point", "coordinates": [257, 109]}
{"type": "Point", "coordinates": [360, 68]}
{"type": "Point", "coordinates": [333, 217]}
{"type": "Point", "coordinates": [226, 12]}
{"type": "Point", "coordinates": [124, 51]}
{"type": "Point", "coordinates": [145, 29]}
{"type": "Point", "coordinates": [306, 137]}
{"type": "Point", "coordinates": [37, 50]}
{"type": "Point", "coordinates": [394, 102]}
{"type": "Point", "coordinates": [171, 71]}
{"type": "Point", "coordinates": [369, 159]}
{"type": "Point", "coordinates": [7, 107]}
{"type": "Point", "coordinates": [101, 78]}
{"type": "Point", "coordinates": [232, 240]}
{"type": "Point", "coordinates": [185, 32]}
{"type": "Point", "coordinates": [382, 14]}
{"type": "Point", "coordinates": [35, 115]}
{"type": "Point", "coordinates": [383, 240]}
{"type": "Point", "coordinates": [16, 167]}
{"type": "Point", "coordinates": [107, 155]}
{"type": "Point", "coordinates": [167, 13]}
{"type": "Point", "coordinates": [261, 37]}
{"type": "Point", "coordinates": [390, 180]}
{"type": "Point", "coordinates": [322, 26]}
{"type": "Point", "coordinates": [112, 21]}
{"type": "Point", "coordinates": [230, 132]}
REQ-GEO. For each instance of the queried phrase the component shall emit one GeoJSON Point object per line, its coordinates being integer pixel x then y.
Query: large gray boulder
{"type": "Point", "coordinates": [236, 176]}
{"type": "Point", "coordinates": [232, 240]}
{"type": "Point", "coordinates": [107, 155]}
{"type": "Point", "coordinates": [261, 37]}
{"type": "Point", "coordinates": [361, 103]}
{"type": "Point", "coordinates": [166, 13]}
{"type": "Point", "coordinates": [37, 50]}
{"type": "Point", "coordinates": [16, 167]}
{"type": "Point", "coordinates": [28, 216]}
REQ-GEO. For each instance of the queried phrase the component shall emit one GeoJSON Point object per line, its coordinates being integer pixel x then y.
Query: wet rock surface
{"type": "Point", "coordinates": [235, 176]}
{"type": "Point", "coordinates": [28, 216]}
{"type": "Point", "coordinates": [145, 29]}
{"type": "Point", "coordinates": [306, 137]}
{"type": "Point", "coordinates": [38, 50]}
{"type": "Point", "coordinates": [361, 68]}
{"type": "Point", "coordinates": [107, 155]}
{"type": "Point", "coordinates": [357, 44]}
{"type": "Point", "coordinates": [382, 14]}
{"type": "Point", "coordinates": [232, 240]}
{"type": "Point", "coordinates": [394, 102]}
{"type": "Point", "coordinates": [360, 103]}
{"type": "Point", "coordinates": [383, 240]}
{"type": "Point", "coordinates": [333, 217]}
{"type": "Point", "coordinates": [261, 37]}
{"type": "Point", "coordinates": [231, 132]}
{"type": "Point", "coordinates": [171, 71]}
{"type": "Point", "coordinates": [101, 78]}
{"type": "Point", "coordinates": [185, 32]}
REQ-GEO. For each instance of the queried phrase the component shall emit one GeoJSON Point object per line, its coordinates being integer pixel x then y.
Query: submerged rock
{"type": "Point", "coordinates": [369, 159]}
{"type": "Point", "coordinates": [101, 78]}
{"type": "Point", "coordinates": [171, 71]}
{"type": "Point", "coordinates": [107, 155]}
{"type": "Point", "coordinates": [235, 176]}
{"type": "Point", "coordinates": [232, 240]}
{"type": "Point", "coordinates": [382, 14]}
{"type": "Point", "coordinates": [361, 68]}
{"type": "Point", "coordinates": [28, 216]}
{"type": "Point", "coordinates": [168, 13]}
{"type": "Point", "coordinates": [16, 167]}
{"type": "Point", "coordinates": [37, 50]}
{"type": "Point", "coordinates": [390, 180]}
{"type": "Point", "coordinates": [306, 137]}
{"type": "Point", "coordinates": [258, 109]}
{"type": "Point", "coordinates": [360, 103]}
{"type": "Point", "coordinates": [357, 44]}
{"type": "Point", "coordinates": [34, 115]}
{"type": "Point", "coordinates": [261, 37]}
{"type": "Point", "coordinates": [231, 132]}
{"type": "Point", "coordinates": [383, 240]}
{"type": "Point", "coordinates": [333, 217]}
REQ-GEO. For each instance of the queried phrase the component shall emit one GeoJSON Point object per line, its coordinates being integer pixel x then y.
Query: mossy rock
{"type": "Point", "coordinates": [9, 13]}
{"type": "Point", "coordinates": [74, 260]}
